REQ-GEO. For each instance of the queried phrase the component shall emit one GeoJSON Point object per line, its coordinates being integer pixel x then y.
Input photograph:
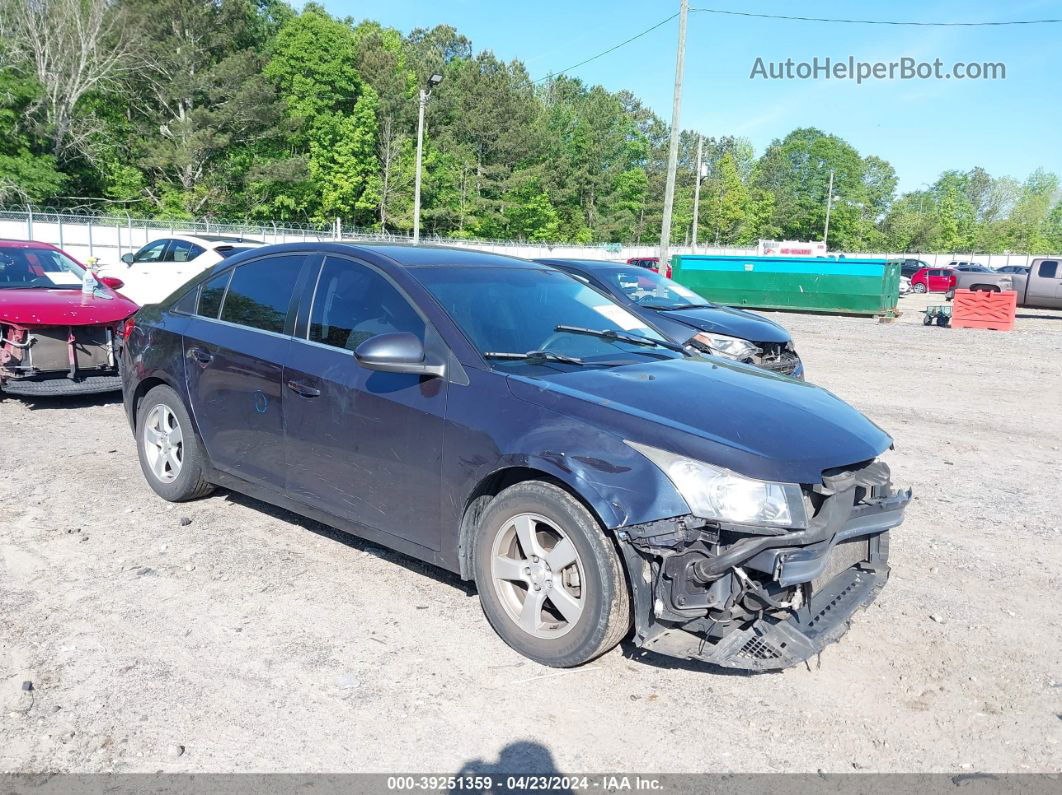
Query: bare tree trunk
{"type": "Point", "coordinates": [72, 47]}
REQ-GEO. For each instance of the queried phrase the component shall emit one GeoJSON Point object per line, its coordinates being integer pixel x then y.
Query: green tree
{"type": "Point", "coordinates": [313, 60]}
{"type": "Point", "coordinates": [797, 171]}
{"type": "Point", "coordinates": [26, 173]}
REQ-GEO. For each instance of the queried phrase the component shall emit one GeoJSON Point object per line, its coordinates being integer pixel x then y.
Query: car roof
{"type": "Point", "coordinates": [211, 240]}
{"type": "Point", "coordinates": [26, 244]}
{"type": "Point", "coordinates": [412, 256]}
{"type": "Point", "coordinates": [599, 265]}
{"type": "Point", "coordinates": [404, 254]}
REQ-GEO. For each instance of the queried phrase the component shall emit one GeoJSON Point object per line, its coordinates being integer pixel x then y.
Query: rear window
{"type": "Point", "coordinates": [228, 251]}
{"type": "Point", "coordinates": [183, 251]}
{"type": "Point", "coordinates": [1049, 269]}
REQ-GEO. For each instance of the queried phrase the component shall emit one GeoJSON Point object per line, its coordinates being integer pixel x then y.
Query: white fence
{"type": "Point", "coordinates": [109, 237]}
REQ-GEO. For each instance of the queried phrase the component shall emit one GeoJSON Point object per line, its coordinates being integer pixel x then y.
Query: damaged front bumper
{"type": "Point", "coordinates": [761, 598]}
{"type": "Point", "coordinates": [58, 360]}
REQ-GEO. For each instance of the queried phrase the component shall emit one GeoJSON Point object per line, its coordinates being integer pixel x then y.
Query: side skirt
{"type": "Point", "coordinates": [264, 494]}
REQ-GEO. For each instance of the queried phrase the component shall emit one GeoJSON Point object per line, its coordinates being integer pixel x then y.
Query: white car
{"type": "Point", "coordinates": [905, 285]}
{"type": "Point", "coordinates": [165, 264]}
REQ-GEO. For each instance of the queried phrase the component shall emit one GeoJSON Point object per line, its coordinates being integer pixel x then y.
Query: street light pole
{"type": "Point", "coordinates": [433, 81]}
{"type": "Point", "coordinates": [829, 205]}
{"type": "Point", "coordinates": [672, 155]}
{"type": "Point", "coordinates": [697, 192]}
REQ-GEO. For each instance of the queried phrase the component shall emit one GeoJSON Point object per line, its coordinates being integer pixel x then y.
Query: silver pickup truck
{"type": "Point", "coordinates": [1040, 287]}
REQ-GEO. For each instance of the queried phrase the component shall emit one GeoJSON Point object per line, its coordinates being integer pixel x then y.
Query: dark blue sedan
{"type": "Point", "coordinates": [684, 317]}
{"type": "Point", "coordinates": [508, 422]}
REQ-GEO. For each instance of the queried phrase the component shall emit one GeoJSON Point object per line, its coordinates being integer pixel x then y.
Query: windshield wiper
{"type": "Point", "coordinates": [619, 336]}
{"type": "Point", "coordinates": [677, 306]}
{"type": "Point", "coordinates": [543, 356]}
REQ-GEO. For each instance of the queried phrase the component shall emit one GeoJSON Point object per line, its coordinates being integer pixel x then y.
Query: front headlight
{"type": "Point", "coordinates": [716, 493]}
{"type": "Point", "coordinates": [724, 345]}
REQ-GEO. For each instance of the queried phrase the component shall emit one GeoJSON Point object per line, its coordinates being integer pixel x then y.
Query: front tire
{"type": "Point", "coordinates": [919, 288]}
{"type": "Point", "coordinates": [550, 581]}
{"type": "Point", "coordinates": [171, 457]}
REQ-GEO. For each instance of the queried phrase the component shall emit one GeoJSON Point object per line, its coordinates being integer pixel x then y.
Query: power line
{"type": "Point", "coordinates": [606, 52]}
{"type": "Point", "coordinates": [880, 21]}
{"type": "Point", "coordinates": [662, 22]}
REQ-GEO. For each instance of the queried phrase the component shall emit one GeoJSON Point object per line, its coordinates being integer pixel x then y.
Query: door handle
{"type": "Point", "coordinates": [305, 390]}
{"type": "Point", "coordinates": [202, 356]}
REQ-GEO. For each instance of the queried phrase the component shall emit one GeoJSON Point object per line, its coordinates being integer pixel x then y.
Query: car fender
{"type": "Point", "coordinates": [618, 483]}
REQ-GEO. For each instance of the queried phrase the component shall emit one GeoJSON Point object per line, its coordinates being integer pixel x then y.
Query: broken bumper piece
{"type": "Point", "coordinates": [772, 644]}
{"type": "Point", "coordinates": [757, 598]}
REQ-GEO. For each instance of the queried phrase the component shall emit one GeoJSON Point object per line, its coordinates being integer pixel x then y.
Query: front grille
{"type": "Point", "coordinates": [841, 558]}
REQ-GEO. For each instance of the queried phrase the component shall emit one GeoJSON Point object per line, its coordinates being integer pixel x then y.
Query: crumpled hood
{"type": "Point", "coordinates": [735, 416]}
{"type": "Point", "coordinates": [726, 320]}
{"type": "Point", "coordinates": [46, 307]}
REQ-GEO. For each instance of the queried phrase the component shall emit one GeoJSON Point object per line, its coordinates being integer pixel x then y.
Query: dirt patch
{"type": "Point", "coordinates": [254, 640]}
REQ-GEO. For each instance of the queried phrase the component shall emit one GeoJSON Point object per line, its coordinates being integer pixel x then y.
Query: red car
{"type": "Point", "coordinates": [933, 280]}
{"type": "Point", "coordinates": [56, 337]}
{"type": "Point", "coordinates": [652, 263]}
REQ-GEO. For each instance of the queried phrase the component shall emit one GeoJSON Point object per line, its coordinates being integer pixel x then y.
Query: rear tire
{"type": "Point", "coordinates": [171, 457]}
{"type": "Point", "coordinates": [550, 581]}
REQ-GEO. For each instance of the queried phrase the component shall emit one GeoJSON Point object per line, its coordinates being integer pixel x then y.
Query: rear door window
{"type": "Point", "coordinates": [259, 295]}
{"type": "Point", "coordinates": [183, 251]}
{"type": "Point", "coordinates": [186, 304]}
{"type": "Point", "coordinates": [212, 294]}
{"type": "Point", "coordinates": [1048, 269]}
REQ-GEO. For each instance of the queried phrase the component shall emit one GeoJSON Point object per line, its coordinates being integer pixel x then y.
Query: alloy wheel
{"type": "Point", "coordinates": [163, 443]}
{"type": "Point", "coordinates": [538, 576]}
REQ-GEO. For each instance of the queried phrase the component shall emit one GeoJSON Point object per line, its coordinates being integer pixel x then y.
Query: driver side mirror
{"type": "Point", "coordinates": [398, 352]}
{"type": "Point", "coordinates": [127, 258]}
{"type": "Point", "coordinates": [112, 282]}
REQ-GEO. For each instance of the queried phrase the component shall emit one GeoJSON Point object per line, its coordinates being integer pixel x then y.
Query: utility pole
{"type": "Point", "coordinates": [829, 205]}
{"type": "Point", "coordinates": [672, 155]}
{"type": "Point", "coordinates": [697, 192]}
{"type": "Point", "coordinates": [433, 81]}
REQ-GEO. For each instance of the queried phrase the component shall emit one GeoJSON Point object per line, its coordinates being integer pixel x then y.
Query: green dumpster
{"type": "Point", "coordinates": [807, 284]}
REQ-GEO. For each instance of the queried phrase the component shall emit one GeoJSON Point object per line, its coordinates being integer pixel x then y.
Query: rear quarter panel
{"type": "Point", "coordinates": [153, 351]}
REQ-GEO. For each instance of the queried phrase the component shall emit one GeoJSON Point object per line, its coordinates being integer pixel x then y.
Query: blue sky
{"type": "Point", "coordinates": [1009, 127]}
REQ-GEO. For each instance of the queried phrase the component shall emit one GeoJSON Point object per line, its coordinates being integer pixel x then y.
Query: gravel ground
{"type": "Point", "coordinates": [225, 635]}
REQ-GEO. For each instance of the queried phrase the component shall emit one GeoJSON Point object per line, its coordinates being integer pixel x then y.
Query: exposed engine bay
{"type": "Point", "coordinates": [764, 598]}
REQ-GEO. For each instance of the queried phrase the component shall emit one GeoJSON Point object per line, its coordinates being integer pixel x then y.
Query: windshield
{"type": "Point", "coordinates": [518, 311]}
{"type": "Point", "coordinates": [25, 268]}
{"type": "Point", "coordinates": [650, 289]}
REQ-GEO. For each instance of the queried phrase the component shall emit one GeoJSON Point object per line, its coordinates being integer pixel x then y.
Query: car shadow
{"type": "Point", "coordinates": [63, 402]}
{"type": "Point", "coordinates": [436, 573]}
{"type": "Point", "coordinates": [521, 758]}
{"type": "Point", "coordinates": [1038, 317]}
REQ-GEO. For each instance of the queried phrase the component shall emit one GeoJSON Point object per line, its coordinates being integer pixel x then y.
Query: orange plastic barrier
{"type": "Point", "coordinates": [981, 309]}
